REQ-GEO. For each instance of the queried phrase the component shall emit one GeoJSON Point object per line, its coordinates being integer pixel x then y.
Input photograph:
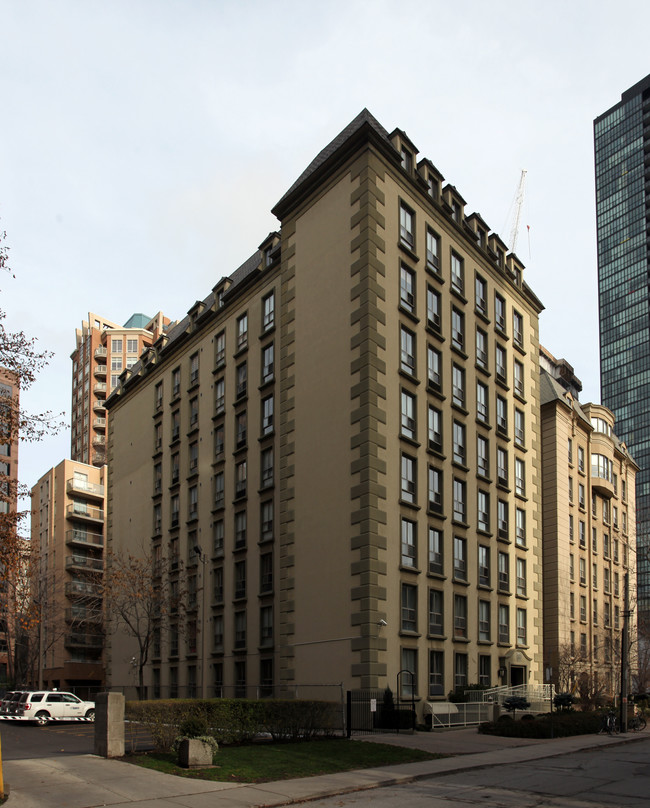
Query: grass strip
{"type": "Point", "coordinates": [261, 763]}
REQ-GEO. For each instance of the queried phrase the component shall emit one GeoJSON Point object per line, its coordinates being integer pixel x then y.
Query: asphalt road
{"type": "Point", "coordinates": [22, 741]}
{"type": "Point", "coordinates": [616, 777]}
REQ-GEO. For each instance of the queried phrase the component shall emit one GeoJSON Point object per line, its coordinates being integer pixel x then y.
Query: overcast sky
{"type": "Point", "coordinates": [143, 143]}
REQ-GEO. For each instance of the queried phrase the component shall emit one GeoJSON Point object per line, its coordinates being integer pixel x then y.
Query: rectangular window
{"type": "Point", "coordinates": [502, 519]}
{"type": "Point", "coordinates": [481, 349]}
{"type": "Point", "coordinates": [434, 377]}
{"type": "Point", "coordinates": [482, 408]}
{"type": "Point", "coordinates": [436, 613]}
{"type": "Point", "coordinates": [435, 489]}
{"type": "Point", "coordinates": [240, 530]}
{"type": "Point", "coordinates": [457, 274]}
{"type": "Point", "coordinates": [499, 312]}
{"type": "Point", "coordinates": [434, 310]}
{"type": "Point", "coordinates": [483, 565]}
{"type": "Point", "coordinates": [266, 626]}
{"type": "Point", "coordinates": [407, 351]}
{"type": "Point", "coordinates": [483, 511]}
{"type": "Point", "coordinates": [219, 396]}
{"type": "Point", "coordinates": [433, 251]}
{"type": "Point", "coordinates": [582, 533]}
{"type": "Point", "coordinates": [408, 484]}
{"type": "Point", "coordinates": [240, 579]}
{"type": "Point", "coordinates": [460, 617]}
{"type": "Point", "coordinates": [517, 329]}
{"type": "Point", "coordinates": [504, 624]}
{"type": "Point", "coordinates": [502, 415]}
{"type": "Point", "coordinates": [407, 227]}
{"type": "Point", "coordinates": [408, 415]}
{"type": "Point", "coordinates": [409, 553]}
{"type": "Point", "coordinates": [220, 350]}
{"type": "Point", "coordinates": [582, 566]}
{"type": "Point", "coordinates": [581, 459]}
{"type": "Point", "coordinates": [407, 289]}
{"type": "Point", "coordinates": [460, 558]}
{"type": "Point", "coordinates": [482, 456]}
{"type": "Point", "coordinates": [435, 551]}
{"type": "Point", "coordinates": [217, 538]}
{"type": "Point", "coordinates": [268, 368]}
{"type": "Point", "coordinates": [500, 360]}
{"type": "Point", "coordinates": [241, 388]}
{"type": "Point", "coordinates": [268, 312]}
{"type": "Point", "coordinates": [267, 415]}
{"type": "Point", "coordinates": [520, 477]}
{"type": "Point", "coordinates": [520, 527]}
{"type": "Point", "coordinates": [518, 378]}
{"type": "Point", "coordinates": [460, 670]}
{"type": "Point", "coordinates": [435, 429]}
{"type": "Point", "coordinates": [242, 332]}
{"type": "Point", "coordinates": [240, 479]}
{"type": "Point", "coordinates": [194, 368]}
{"type": "Point", "coordinates": [458, 386]}
{"type": "Point", "coordinates": [219, 495]}
{"type": "Point", "coordinates": [266, 573]}
{"type": "Point", "coordinates": [521, 576]}
{"type": "Point", "coordinates": [409, 667]}
{"type": "Point", "coordinates": [436, 673]}
{"type": "Point", "coordinates": [484, 621]}
{"type": "Point", "coordinates": [457, 329]}
{"type": "Point", "coordinates": [241, 428]}
{"type": "Point", "coordinates": [459, 451]}
{"type": "Point", "coordinates": [504, 572]}
{"type": "Point", "coordinates": [502, 466]}
{"type": "Point", "coordinates": [266, 468]}
{"type": "Point", "coordinates": [522, 634]}
{"type": "Point", "coordinates": [519, 427]}
{"type": "Point", "coordinates": [480, 295]}
{"type": "Point", "coordinates": [459, 504]}
{"type": "Point", "coordinates": [409, 608]}
{"type": "Point", "coordinates": [116, 346]}
{"type": "Point", "coordinates": [266, 520]}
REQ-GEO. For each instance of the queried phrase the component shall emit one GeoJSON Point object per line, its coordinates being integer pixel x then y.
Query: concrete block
{"type": "Point", "coordinates": [109, 724]}
{"type": "Point", "coordinates": [194, 754]}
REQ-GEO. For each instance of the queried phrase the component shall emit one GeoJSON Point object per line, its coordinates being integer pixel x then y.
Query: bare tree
{"type": "Point", "coordinates": [137, 599]}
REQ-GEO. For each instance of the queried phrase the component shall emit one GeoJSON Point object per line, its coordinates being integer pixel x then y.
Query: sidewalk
{"type": "Point", "coordinates": [85, 781]}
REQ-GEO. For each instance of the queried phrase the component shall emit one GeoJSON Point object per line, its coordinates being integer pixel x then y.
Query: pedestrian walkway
{"type": "Point", "coordinates": [86, 781]}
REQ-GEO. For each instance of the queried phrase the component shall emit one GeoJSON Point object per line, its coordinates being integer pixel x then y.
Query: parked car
{"type": "Point", "coordinates": [41, 705]}
{"type": "Point", "coordinates": [9, 701]}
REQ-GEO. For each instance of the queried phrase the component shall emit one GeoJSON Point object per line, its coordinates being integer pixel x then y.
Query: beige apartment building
{"type": "Point", "coordinates": [104, 349]}
{"type": "Point", "coordinates": [333, 460]}
{"type": "Point", "coordinates": [68, 535]}
{"type": "Point", "coordinates": [589, 523]}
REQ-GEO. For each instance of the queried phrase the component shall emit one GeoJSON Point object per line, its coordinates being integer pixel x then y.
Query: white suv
{"type": "Point", "coordinates": [43, 705]}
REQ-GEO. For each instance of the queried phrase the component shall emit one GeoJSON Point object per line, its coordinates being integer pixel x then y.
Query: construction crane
{"type": "Point", "coordinates": [515, 211]}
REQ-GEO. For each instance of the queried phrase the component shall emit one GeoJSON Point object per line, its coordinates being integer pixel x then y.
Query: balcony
{"type": "Point", "coordinates": [82, 589]}
{"type": "Point", "coordinates": [75, 485]}
{"type": "Point", "coordinates": [99, 423]}
{"type": "Point", "coordinates": [79, 510]}
{"type": "Point", "coordinates": [85, 563]}
{"type": "Point", "coordinates": [81, 538]}
{"type": "Point", "coordinates": [99, 408]}
{"type": "Point", "coordinates": [99, 458]}
{"type": "Point", "coordinates": [100, 352]}
{"type": "Point", "coordinates": [99, 440]}
{"type": "Point", "coordinates": [100, 371]}
{"type": "Point", "coordinates": [90, 641]}
{"type": "Point", "coordinates": [99, 387]}
{"type": "Point", "coordinates": [78, 614]}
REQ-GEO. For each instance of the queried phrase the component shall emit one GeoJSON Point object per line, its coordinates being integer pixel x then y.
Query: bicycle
{"type": "Point", "coordinates": [636, 723]}
{"type": "Point", "coordinates": [610, 724]}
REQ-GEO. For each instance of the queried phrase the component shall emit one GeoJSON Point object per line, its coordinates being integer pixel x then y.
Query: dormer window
{"type": "Point", "coordinates": [407, 160]}
{"type": "Point", "coordinates": [268, 258]}
{"type": "Point", "coordinates": [456, 211]}
{"type": "Point", "coordinates": [432, 185]}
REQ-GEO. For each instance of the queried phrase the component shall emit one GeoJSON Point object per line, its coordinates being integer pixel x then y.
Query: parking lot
{"type": "Point", "coordinates": [22, 740]}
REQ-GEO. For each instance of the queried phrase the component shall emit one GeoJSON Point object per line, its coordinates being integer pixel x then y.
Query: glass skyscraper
{"type": "Point", "coordinates": [622, 152]}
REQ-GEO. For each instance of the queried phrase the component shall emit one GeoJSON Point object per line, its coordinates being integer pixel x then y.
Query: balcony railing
{"type": "Point", "coordinates": [99, 408]}
{"type": "Point", "coordinates": [83, 588]}
{"type": "Point", "coordinates": [81, 615]}
{"type": "Point", "coordinates": [99, 387]}
{"type": "Point", "coordinates": [99, 352]}
{"type": "Point", "coordinates": [99, 423]}
{"type": "Point", "coordinates": [84, 641]}
{"type": "Point", "coordinates": [84, 487]}
{"type": "Point", "coordinates": [99, 440]}
{"type": "Point", "coordinates": [99, 458]}
{"type": "Point", "coordinates": [84, 562]}
{"type": "Point", "coordinates": [100, 370]}
{"type": "Point", "coordinates": [85, 538]}
{"type": "Point", "coordinates": [79, 511]}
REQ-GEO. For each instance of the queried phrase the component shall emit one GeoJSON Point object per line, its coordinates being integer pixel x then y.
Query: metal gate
{"type": "Point", "coordinates": [368, 713]}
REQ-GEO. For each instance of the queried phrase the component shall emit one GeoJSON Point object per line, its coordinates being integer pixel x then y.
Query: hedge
{"type": "Point", "coordinates": [560, 725]}
{"type": "Point", "coordinates": [237, 721]}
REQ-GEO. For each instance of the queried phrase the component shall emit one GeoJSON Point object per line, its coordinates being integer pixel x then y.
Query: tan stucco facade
{"type": "Point", "coordinates": [350, 554]}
